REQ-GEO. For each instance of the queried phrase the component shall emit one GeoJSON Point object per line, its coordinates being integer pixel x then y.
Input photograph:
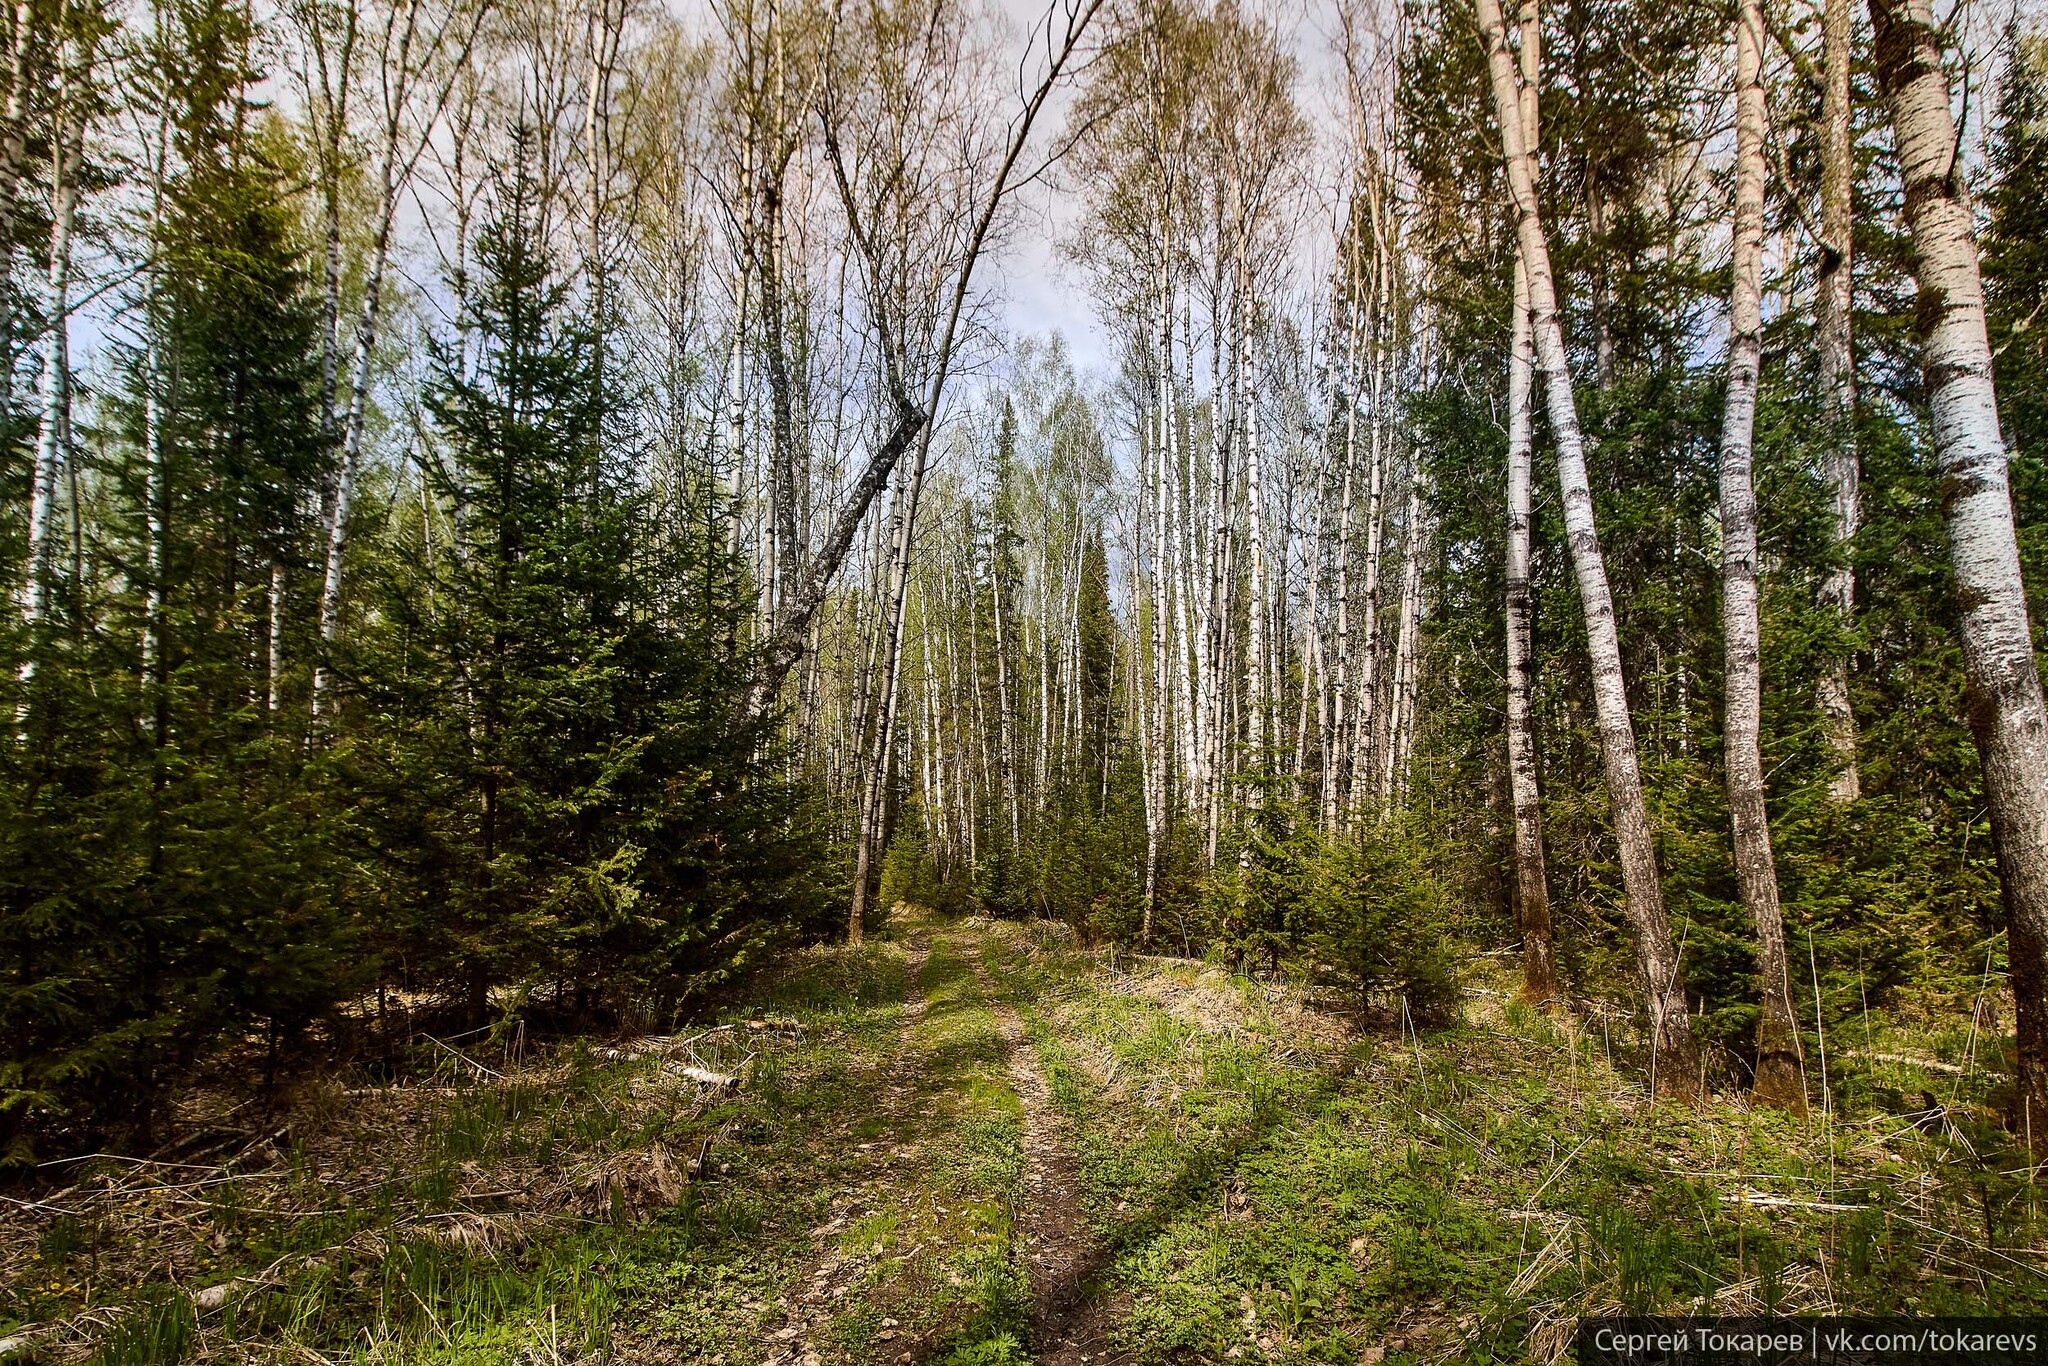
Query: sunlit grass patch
{"type": "Point", "coordinates": [1274, 1191]}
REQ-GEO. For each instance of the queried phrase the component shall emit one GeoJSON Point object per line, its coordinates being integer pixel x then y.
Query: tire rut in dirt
{"type": "Point", "coordinates": [1070, 1323]}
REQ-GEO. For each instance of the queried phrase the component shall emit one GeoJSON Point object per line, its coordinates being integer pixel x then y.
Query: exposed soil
{"type": "Point", "coordinates": [1069, 1324]}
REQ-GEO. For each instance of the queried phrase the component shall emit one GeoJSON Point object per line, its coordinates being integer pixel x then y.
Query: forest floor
{"type": "Point", "coordinates": [974, 1144]}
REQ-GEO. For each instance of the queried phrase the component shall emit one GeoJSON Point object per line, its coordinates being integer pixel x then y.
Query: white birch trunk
{"type": "Point", "coordinates": [875, 788]}
{"type": "Point", "coordinates": [1256, 698]}
{"type": "Point", "coordinates": [2005, 705]}
{"type": "Point", "coordinates": [1386, 343]}
{"type": "Point", "coordinates": [353, 426]}
{"type": "Point", "coordinates": [1834, 306]}
{"type": "Point", "coordinates": [1675, 1061]}
{"type": "Point", "coordinates": [1779, 1079]}
{"type": "Point", "coordinates": [54, 388]}
{"type": "Point", "coordinates": [1532, 893]}
{"type": "Point", "coordinates": [17, 73]}
{"type": "Point", "coordinates": [1337, 752]}
{"type": "Point", "coordinates": [1401, 711]}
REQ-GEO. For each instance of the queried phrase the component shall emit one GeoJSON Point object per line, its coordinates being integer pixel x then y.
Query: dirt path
{"type": "Point", "coordinates": [815, 1295]}
{"type": "Point", "coordinates": [1069, 1327]}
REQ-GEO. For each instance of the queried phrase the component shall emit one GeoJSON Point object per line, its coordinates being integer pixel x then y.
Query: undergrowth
{"type": "Point", "coordinates": [1264, 1181]}
{"type": "Point", "coordinates": [1273, 1186]}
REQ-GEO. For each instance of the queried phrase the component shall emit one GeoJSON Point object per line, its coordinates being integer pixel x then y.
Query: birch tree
{"type": "Point", "coordinates": [1780, 1078]}
{"type": "Point", "coordinates": [422, 55]}
{"type": "Point", "coordinates": [1834, 307]}
{"type": "Point", "coordinates": [913, 397]}
{"type": "Point", "coordinates": [2005, 701]}
{"type": "Point", "coordinates": [1532, 892]}
{"type": "Point", "coordinates": [1675, 1064]}
{"type": "Point", "coordinates": [53, 391]}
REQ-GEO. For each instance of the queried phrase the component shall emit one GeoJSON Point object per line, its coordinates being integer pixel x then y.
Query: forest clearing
{"type": "Point", "coordinates": [970, 1141]}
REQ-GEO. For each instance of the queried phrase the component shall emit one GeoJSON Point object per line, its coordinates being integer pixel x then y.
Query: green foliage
{"type": "Point", "coordinates": [1318, 1200]}
{"type": "Point", "coordinates": [1374, 922]}
{"type": "Point", "coordinates": [562, 780]}
{"type": "Point", "coordinates": [1891, 899]}
{"type": "Point", "coordinates": [168, 875]}
{"type": "Point", "coordinates": [526, 792]}
{"type": "Point", "coordinates": [910, 874]}
{"type": "Point", "coordinates": [1001, 1350]}
{"type": "Point", "coordinates": [2015, 258]}
{"type": "Point", "coordinates": [156, 1331]}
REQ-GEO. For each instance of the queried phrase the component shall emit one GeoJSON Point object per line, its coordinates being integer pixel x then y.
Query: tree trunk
{"type": "Point", "coordinates": [1006, 752]}
{"type": "Point", "coordinates": [352, 439]}
{"type": "Point", "coordinates": [1256, 698]}
{"type": "Point", "coordinates": [1386, 347]}
{"type": "Point", "coordinates": [396, 163]}
{"type": "Point", "coordinates": [54, 393]}
{"type": "Point", "coordinates": [1532, 893]}
{"type": "Point", "coordinates": [875, 784]}
{"type": "Point", "coordinates": [785, 644]}
{"type": "Point", "coordinates": [1401, 702]}
{"type": "Point", "coordinates": [2005, 706]}
{"type": "Point", "coordinates": [1337, 753]}
{"type": "Point", "coordinates": [1675, 1061]}
{"type": "Point", "coordinates": [16, 75]}
{"type": "Point", "coordinates": [1780, 1074]}
{"type": "Point", "coordinates": [1834, 306]}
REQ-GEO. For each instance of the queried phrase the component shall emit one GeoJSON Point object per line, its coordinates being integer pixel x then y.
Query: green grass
{"type": "Point", "coordinates": [1274, 1188]}
{"type": "Point", "coordinates": [412, 1244]}
{"type": "Point", "coordinates": [1265, 1183]}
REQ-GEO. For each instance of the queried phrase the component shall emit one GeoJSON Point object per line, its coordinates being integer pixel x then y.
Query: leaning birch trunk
{"type": "Point", "coordinates": [1780, 1076]}
{"type": "Point", "coordinates": [1674, 1059]}
{"type": "Point", "coordinates": [875, 788]}
{"type": "Point", "coordinates": [784, 646]}
{"type": "Point", "coordinates": [2005, 705]}
{"type": "Point", "coordinates": [1834, 306]}
{"type": "Point", "coordinates": [54, 393]}
{"type": "Point", "coordinates": [1532, 891]}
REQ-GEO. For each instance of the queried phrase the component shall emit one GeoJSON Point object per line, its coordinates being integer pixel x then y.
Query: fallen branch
{"type": "Point", "coordinates": [1904, 1060]}
{"type": "Point", "coordinates": [718, 1081]}
{"type": "Point", "coordinates": [458, 1053]}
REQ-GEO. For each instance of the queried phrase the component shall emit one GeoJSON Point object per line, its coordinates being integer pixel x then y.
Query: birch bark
{"type": "Point", "coordinates": [17, 75]}
{"type": "Point", "coordinates": [1156, 786]}
{"type": "Point", "coordinates": [54, 388]}
{"type": "Point", "coordinates": [1780, 1073]}
{"type": "Point", "coordinates": [1336, 758]}
{"type": "Point", "coordinates": [1532, 891]}
{"type": "Point", "coordinates": [2005, 704]}
{"type": "Point", "coordinates": [1675, 1061]}
{"type": "Point", "coordinates": [1834, 306]}
{"type": "Point", "coordinates": [1366, 705]}
{"type": "Point", "coordinates": [444, 54]}
{"type": "Point", "coordinates": [1256, 699]}
{"type": "Point", "coordinates": [875, 789]}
